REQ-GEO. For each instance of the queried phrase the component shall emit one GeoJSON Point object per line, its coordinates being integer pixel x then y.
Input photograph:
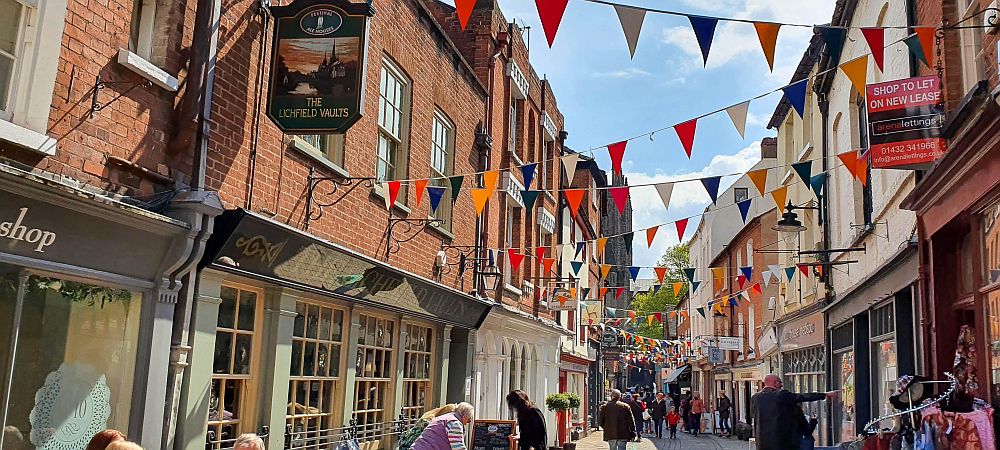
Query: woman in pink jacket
{"type": "Point", "coordinates": [446, 432]}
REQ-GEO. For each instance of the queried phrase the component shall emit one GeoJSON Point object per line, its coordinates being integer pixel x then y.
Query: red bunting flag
{"type": "Point", "coordinates": [551, 13]}
{"type": "Point", "coordinates": [547, 265]}
{"type": "Point", "coordinates": [393, 192]}
{"type": "Point", "coordinates": [685, 132]}
{"type": "Point", "coordinates": [618, 294]}
{"type": "Point", "coordinates": [741, 280]}
{"type": "Point", "coordinates": [681, 226]}
{"type": "Point", "coordinates": [514, 258]}
{"type": "Point", "coordinates": [573, 197]}
{"type": "Point", "coordinates": [659, 317]}
{"type": "Point", "coordinates": [539, 254]}
{"type": "Point", "coordinates": [804, 269]}
{"type": "Point", "coordinates": [650, 235]}
{"type": "Point", "coordinates": [617, 153]}
{"type": "Point", "coordinates": [876, 42]}
{"type": "Point", "coordinates": [660, 273]}
{"type": "Point", "coordinates": [620, 195]}
{"type": "Point", "coordinates": [464, 9]}
{"type": "Point", "coordinates": [603, 292]}
{"type": "Point", "coordinates": [926, 36]}
{"type": "Point", "coordinates": [420, 186]}
{"type": "Point", "coordinates": [756, 288]}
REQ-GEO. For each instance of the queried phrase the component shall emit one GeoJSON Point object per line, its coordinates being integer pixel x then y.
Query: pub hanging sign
{"type": "Point", "coordinates": [318, 65]}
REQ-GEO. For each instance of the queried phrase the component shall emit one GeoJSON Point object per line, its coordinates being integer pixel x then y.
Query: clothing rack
{"type": "Point", "coordinates": [953, 384]}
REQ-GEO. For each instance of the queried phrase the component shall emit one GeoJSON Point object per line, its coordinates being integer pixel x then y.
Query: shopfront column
{"type": "Point", "coordinates": [398, 391]}
{"type": "Point", "coordinates": [350, 370]}
{"type": "Point", "coordinates": [279, 321]}
{"type": "Point", "coordinates": [445, 351]}
{"type": "Point", "coordinates": [195, 399]}
{"type": "Point", "coordinates": [154, 341]}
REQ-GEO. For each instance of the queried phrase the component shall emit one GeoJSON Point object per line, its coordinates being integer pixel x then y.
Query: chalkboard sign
{"type": "Point", "coordinates": [493, 435]}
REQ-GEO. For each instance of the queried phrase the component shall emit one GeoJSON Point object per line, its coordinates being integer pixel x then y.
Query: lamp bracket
{"type": "Point", "coordinates": [872, 228]}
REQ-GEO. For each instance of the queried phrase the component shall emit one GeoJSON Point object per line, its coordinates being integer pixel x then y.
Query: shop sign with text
{"type": "Point", "coordinates": [905, 122]}
{"type": "Point", "coordinates": [318, 65]}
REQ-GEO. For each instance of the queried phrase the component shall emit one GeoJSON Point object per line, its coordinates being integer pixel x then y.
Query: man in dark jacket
{"type": "Point", "coordinates": [616, 419]}
{"type": "Point", "coordinates": [774, 415]}
{"type": "Point", "coordinates": [723, 406]}
{"type": "Point", "coordinates": [657, 411]}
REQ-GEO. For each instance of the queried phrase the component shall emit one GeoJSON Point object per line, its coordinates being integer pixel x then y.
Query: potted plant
{"type": "Point", "coordinates": [561, 403]}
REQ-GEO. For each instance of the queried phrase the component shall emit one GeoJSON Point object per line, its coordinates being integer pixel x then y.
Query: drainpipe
{"type": "Point", "coordinates": [824, 108]}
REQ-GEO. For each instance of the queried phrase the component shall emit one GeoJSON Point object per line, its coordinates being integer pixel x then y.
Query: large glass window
{"type": "Point", "coordinates": [314, 371]}
{"type": "Point", "coordinates": [392, 122]}
{"type": "Point", "coordinates": [73, 366]}
{"type": "Point", "coordinates": [971, 43]}
{"type": "Point", "coordinates": [883, 327]}
{"type": "Point", "coordinates": [10, 29]}
{"type": "Point", "coordinates": [373, 376]}
{"type": "Point", "coordinates": [229, 408]}
{"type": "Point", "coordinates": [417, 358]}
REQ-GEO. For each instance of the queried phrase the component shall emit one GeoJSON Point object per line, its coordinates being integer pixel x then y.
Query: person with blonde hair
{"type": "Point", "coordinates": [248, 441]}
{"type": "Point", "coordinates": [447, 431]}
{"type": "Point", "coordinates": [103, 439]}
{"type": "Point", "coordinates": [410, 436]}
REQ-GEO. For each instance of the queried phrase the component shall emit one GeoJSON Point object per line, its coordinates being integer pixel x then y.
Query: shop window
{"type": "Point", "coordinates": [417, 358]}
{"type": "Point", "coordinates": [971, 43]}
{"type": "Point", "coordinates": [314, 375]}
{"type": "Point", "coordinates": [327, 146]}
{"type": "Point", "coordinates": [442, 162]}
{"type": "Point", "coordinates": [73, 363]}
{"type": "Point", "coordinates": [393, 123]}
{"type": "Point", "coordinates": [844, 411]}
{"type": "Point", "coordinates": [740, 194]}
{"type": "Point", "coordinates": [373, 376]}
{"type": "Point", "coordinates": [993, 349]}
{"type": "Point", "coordinates": [11, 18]}
{"type": "Point", "coordinates": [233, 366]}
{"type": "Point", "coordinates": [884, 361]}
{"type": "Point", "coordinates": [991, 244]}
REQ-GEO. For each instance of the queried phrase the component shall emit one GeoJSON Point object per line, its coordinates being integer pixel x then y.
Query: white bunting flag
{"type": "Point", "coordinates": [738, 114]}
{"type": "Point", "coordinates": [665, 189]}
{"type": "Point", "coordinates": [569, 165]}
{"type": "Point", "coordinates": [631, 20]}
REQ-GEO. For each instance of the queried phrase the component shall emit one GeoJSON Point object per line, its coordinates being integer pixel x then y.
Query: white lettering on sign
{"type": "Point", "coordinates": [16, 231]}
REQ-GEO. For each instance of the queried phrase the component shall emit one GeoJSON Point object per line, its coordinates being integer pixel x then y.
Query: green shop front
{"type": "Point", "coordinates": [310, 343]}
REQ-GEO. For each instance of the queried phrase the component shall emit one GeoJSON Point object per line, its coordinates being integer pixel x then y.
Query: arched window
{"type": "Point", "coordinates": [523, 385]}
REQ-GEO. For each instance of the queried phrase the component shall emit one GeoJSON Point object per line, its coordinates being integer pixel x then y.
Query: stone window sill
{"type": "Point", "coordinates": [147, 70]}
{"type": "Point", "coordinates": [316, 155]}
{"type": "Point", "coordinates": [27, 139]}
{"type": "Point", "coordinates": [445, 233]}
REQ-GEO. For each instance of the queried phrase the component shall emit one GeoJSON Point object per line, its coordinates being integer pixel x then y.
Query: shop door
{"type": "Point", "coordinates": [747, 393]}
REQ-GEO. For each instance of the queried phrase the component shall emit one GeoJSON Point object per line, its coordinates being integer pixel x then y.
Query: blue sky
{"type": "Point", "coordinates": [606, 97]}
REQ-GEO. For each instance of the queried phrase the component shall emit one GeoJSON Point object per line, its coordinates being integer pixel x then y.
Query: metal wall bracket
{"type": "Point", "coordinates": [411, 228]}
{"type": "Point", "coordinates": [99, 85]}
{"type": "Point", "coordinates": [332, 186]}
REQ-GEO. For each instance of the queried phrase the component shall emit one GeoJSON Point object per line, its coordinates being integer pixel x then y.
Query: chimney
{"type": "Point", "coordinates": [768, 148]}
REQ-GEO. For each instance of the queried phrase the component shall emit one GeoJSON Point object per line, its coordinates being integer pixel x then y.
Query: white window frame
{"type": "Point", "coordinates": [442, 161]}
{"type": "Point", "coordinates": [971, 44]}
{"type": "Point", "coordinates": [330, 147]}
{"type": "Point", "coordinates": [512, 130]}
{"type": "Point", "coordinates": [140, 40]}
{"type": "Point", "coordinates": [393, 124]}
{"type": "Point", "coordinates": [593, 191]}
{"type": "Point", "coordinates": [24, 121]}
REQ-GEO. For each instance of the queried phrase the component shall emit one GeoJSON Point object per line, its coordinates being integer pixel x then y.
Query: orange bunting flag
{"type": "Point", "coordinates": [650, 235]}
{"type": "Point", "coordinates": [926, 36]}
{"type": "Point", "coordinates": [421, 186]}
{"type": "Point", "coordinates": [681, 226]}
{"type": "Point", "coordinates": [819, 271]}
{"type": "Point", "coordinates": [673, 314]}
{"type": "Point", "coordinates": [631, 314]}
{"type": "Point", "coordinates": [684, 313]}
{"type": "Point", "coordinates": [514, 258]}
{"type": "Point", "coordinates": [759, 178]}
{"type": "Point", "coordinates": [601, 243]}
{"type": "Point", "coordinates": [547, 265]}
{"type": "Point", "coordinates": [605, 269]}
{"type": "Point", "coordinates": [677, 288]}
{"type": "Point", "coordinates": [490, 180]}
{"type": "Point", "coordinates": [780, 195]}
{"type": "Point", "coordinates": [660, 273]}
{"type": "Point", "coordinates": [857, 71]}
{"type": "Point", "coordinates": [850, 160]}
{"type": "Point", "coordinates": [718, 273]}
{"type": "Point", "coordinates": [573, 197]}
{"type": "Point", "coordinates": [479, 198]}
{"type": "Point", "coordinates": [602, 292]}
{"type": "Point", "coordinates": [767, 34]}
{"type": "Point", "coordinates": [862, 169]}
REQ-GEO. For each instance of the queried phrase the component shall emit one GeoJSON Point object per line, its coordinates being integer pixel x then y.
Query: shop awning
{"type": "Point", "coordinates": [253, 246]}
{"type": "Point", "coordinates": [677, 373]}
{"type": "Point", "coordinates": [896, 274]}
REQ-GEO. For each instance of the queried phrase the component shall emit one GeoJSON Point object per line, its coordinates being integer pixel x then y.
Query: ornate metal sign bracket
{"type": "Point", "coordinates": [99, 85]}
{"type": "Point", "coordinates": [331, 189]}
{"type": "Point", "coordinates": [411, 228]}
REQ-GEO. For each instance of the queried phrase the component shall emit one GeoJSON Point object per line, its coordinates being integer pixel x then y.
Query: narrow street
{"type": "Point", "coordinates": [595, 441]}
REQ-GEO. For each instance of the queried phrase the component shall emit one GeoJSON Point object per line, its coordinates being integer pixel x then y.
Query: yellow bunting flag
{"type": "Point", "coordinates": [490, 180]}
{"type": "Point", "coordinates": [601, 243]}
{"type": "Point", "coordinates": [759, 178]}
{"type": "Point", "coordinates": [718, 273]}
{"type": "Point", "coordinates": [780, 195]}
{"type": "Point", "coordinates": [857, 71]}
{"type": "Point", "coordinates": [480, 197]}
{"type": "Point", "coordinates": [650, 319]}
{"type": "Point", "coordinates": [421, 186]}
{"type": "Point", "coordinates": [650, 235]}
{"type": "Point", "coordinates": [605, 268]}
{"type": "Point", "coordinates": [677, 288]}
{"type": "Point", "coordinates": [767, 34]}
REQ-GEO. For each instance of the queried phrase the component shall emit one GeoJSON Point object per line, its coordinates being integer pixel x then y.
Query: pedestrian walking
{"type": "Point", "coordinates": [617, 421]}
{"type": "Point", "coordinates": [531, 431]}
{"type": "Point", "coordinates": [673, 418]}
{"type": "Point", "coordinates": [637, 409]}
{"type": "Point", "coordinates": [411, 434]}
{"type": "Point", "coordinates": [657, 411]}
{"type": "Point", "coordinates": [723, 406]}
{"type": "Point", "coordinates": [775, 418]}
{"type": "Point", "coordinates": [686, 413]}
{"type": "Point", "coordinates": [446, 431]}
{"type": "Point", "coordinates": [697, 409]}
{"type": "Point", "coordinates": [807, 426]}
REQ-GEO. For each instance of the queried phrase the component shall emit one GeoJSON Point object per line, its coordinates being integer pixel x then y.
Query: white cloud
{"type": "Point", "coordinates": [688, 199]}
{"type": "Point", "coordinates": [624, 74]}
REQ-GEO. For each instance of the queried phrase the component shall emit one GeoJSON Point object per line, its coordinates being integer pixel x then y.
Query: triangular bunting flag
{"type": "Point", "coordinates": [681, 225]}
{"type": "Point", "coordinates": [479, 198]}
{"type": "Point", "coordinates": [569, 162]}
{"type": "Point", "coordinates": [456, 186]}
{"type": "Point", "coordinates": [539, 254]}
{"type": "Point", "coordinates": [620, 196]}
{"type": "Point", "coordinates": [605, 269]}
{"type": "Point", "coordinates": [547, 265]}
{"type": "Point", "coordinates": [689, 273]}
{"type": "Point", "coordinates": [650, 319]}
{"type": "Point", "coordinates": [434, 194]}
{"type": "Point", "coordinates": [529, 198]}
{"type": "Point", "coordinates": [704, 31]}
{"type": "Point", "coordinates": [817, 182]}
{"type": "Point", "coordinates": [464, 9]}
{"type": "Point", "coordinates": [804, 268]}
{"type": "Point", "coordinates": [677, 288]}
{"type": "Point", "coordinates": [834, 39]}
{"type": "Point", "coordinates": [694, 285]}
{"type": "Point", "coordinates": [862, 168]}
{"type": "Point", "coordinates": [627, 238]}
{"type": "Point", "coordinates": [420, 186]}
{"type": "Point", "coordinates": [514, 258]}
{"type": "Point", "coordinates": [856, 70]}
{"type": "Point", "coordinates": [738, 114]}
{"type": "Point", "coordinates": [927, 38]}
{"type": "Point", "coordinates": [876, 42]}
{"type": "Point", "coordinates": [850, 161]}
{"type": "Point", "coordinates": [732, 301]}
{"type": "Point", "coordinates": [618, 294]}
{"type": "Point", "coordinates": [759, 179]}
{"type": "Point", "coordinates": [804, 169]}
{"type": "Point", "coordinates": [631, 20]}
{"type": "Point", "coordinates": [756, 288]}
{"type": "Point", "coordinates": [650, 235]}
{"type": "Point", "coordinates": [712, 186]}
{"type": "Point", "coordinates": [394, 187]}
{"type": "Point", "coordinates": [580, 247]}
{"type": "Point", "coordinates": [660, 273]}
{"type": "Point", "coordinates": [656, 288]}
{"type": "Point", "coordinates": [701, 311]}
{"type": "Point", "coordinates": [574, 197]}
{"type": "Point", "coordinates": [795, 93]}
{"type": "Point", "coordinates": [819, 271]}
{"type": "Point", "coordinates": [767, 34]}
{"type": "Point", "coordinates": [617, 153]}
{"type": "Point", "coordinates": [659, 317]}
{"type": "Point", "coordinates": [601, 243]}
{"type": "Point", "coordinates": [747, 272]}
{"type": "Point", "coordinates": [780, 195]}
{"type": "Point", "coordinates": [789, 273]}
{"type": "Point", "coordinates": [551, 13]}
{"type": "Point", "coordinates": [744, 209]}
{"type": "Point", "coordinates": [528, 174]}
{"type": "Point", "coordinates": [685, 132]}
{"type": "Point", "coordinates": [634, 272]}
{"type": "Point", "coordinates": [601, 292]}
{"type": "Point", "coordinates": [916, 49]}
{"type": "Point", "coordinates": [665, 190]}
{"type": "Point", "coordinates": [576, 265]}
{"type": "Point", "coordinates": [490, 180]}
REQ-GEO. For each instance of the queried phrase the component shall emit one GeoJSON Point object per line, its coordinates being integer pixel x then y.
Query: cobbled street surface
{"type": "Point", "coordinates": [595, 441]}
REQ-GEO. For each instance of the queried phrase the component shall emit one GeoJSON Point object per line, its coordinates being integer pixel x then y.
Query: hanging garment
{"type": "Point", "coordinates": [965, 362]}
{"type": "Point", "coordinates": [925, 439]}
{"type": "Point", "coordinates": [968, 431]}
{"type": "Point", "coordinates": [881, 441]}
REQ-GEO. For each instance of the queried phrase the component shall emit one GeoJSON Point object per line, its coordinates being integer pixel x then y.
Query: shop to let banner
{"type": "Point", "coordinates": [904, 123]}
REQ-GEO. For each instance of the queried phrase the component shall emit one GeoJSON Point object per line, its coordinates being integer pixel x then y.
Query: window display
{"type": "Point", "coordinates": [74, 363]}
